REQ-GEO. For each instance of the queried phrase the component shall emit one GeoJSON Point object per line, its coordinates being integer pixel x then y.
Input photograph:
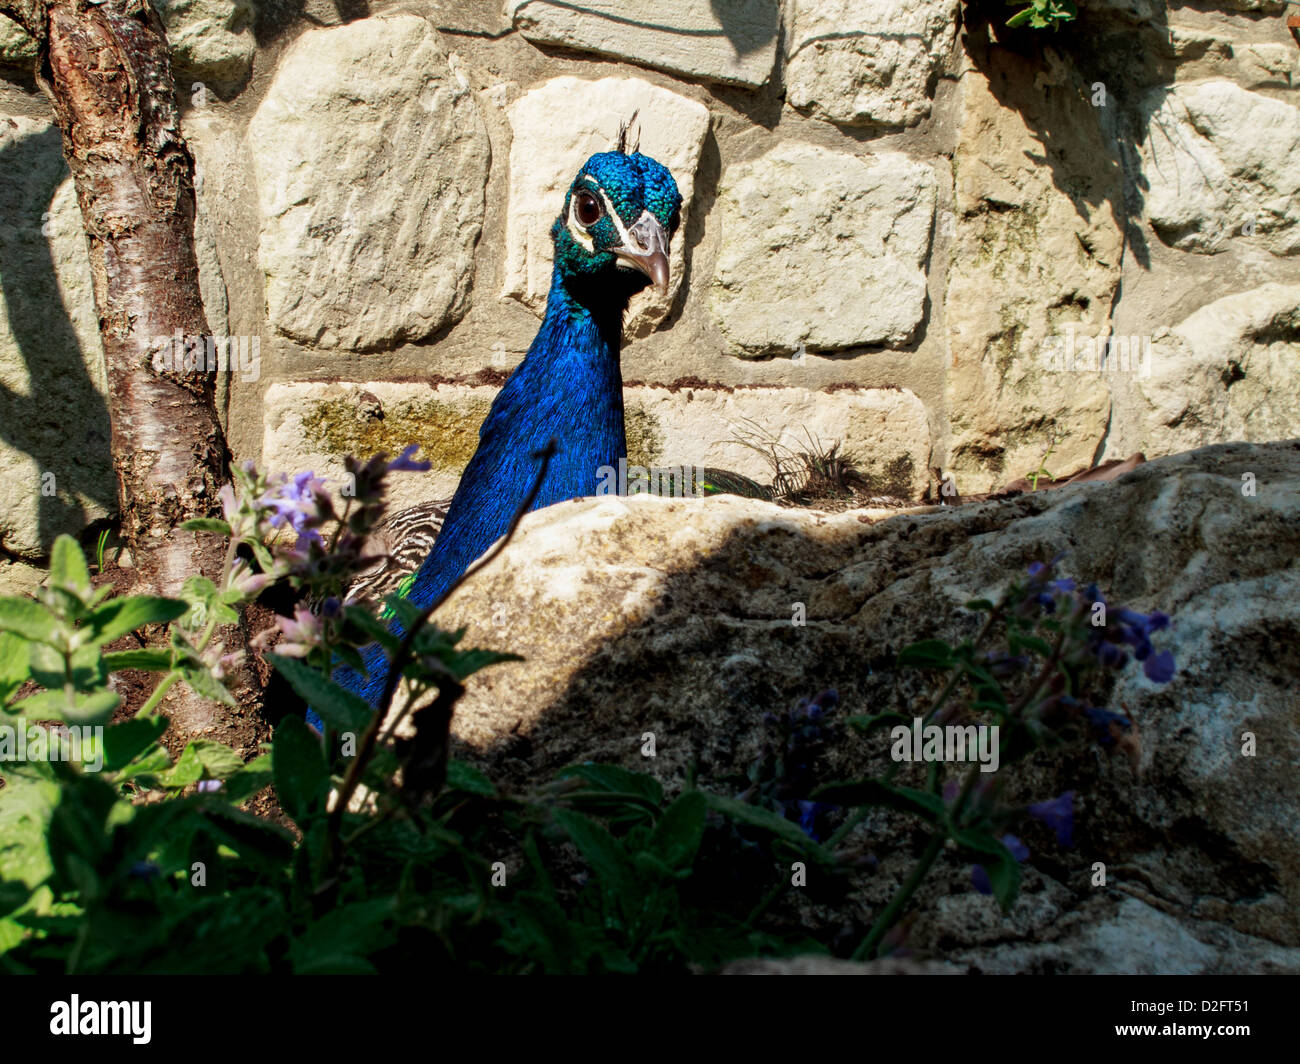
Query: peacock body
{"type": "Point", "coordinates": [611, 241]}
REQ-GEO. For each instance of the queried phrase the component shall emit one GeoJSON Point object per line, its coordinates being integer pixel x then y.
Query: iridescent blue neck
{"type": "Point", "coordinates": [569, 388]}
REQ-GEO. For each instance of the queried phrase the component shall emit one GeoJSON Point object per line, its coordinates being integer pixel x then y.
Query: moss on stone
{"type": "Point", "coordinates": [894, 477]}
{"type": "Point", "coordinates": [1005, 236]}
{"type": "Point", "coordinates": [446, 430]}
{"type": "Point", "coordinates": [645, 441]}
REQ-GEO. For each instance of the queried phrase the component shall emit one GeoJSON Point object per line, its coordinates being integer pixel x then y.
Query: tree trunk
{"type": "Point", "coordinates": [106, 68]}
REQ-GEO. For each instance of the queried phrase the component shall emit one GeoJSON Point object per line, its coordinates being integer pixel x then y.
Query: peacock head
{"type": "Point", "coordinates": [619, 215]}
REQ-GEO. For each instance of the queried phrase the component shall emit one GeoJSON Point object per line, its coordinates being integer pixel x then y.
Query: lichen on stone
{"type": "Point", "coordinates": [645, 442]}
{"type": "Point", "coordinates": [446, 430]}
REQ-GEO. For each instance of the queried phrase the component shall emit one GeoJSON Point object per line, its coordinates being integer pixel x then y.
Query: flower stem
{"type": "Point", "coordinates": [901, 897]}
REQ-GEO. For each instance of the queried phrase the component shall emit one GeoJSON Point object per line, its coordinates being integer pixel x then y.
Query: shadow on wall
{"type": "Point", "coordinates": [62, 422]}
{"type": "Point", "coordinates": [1126, 60]}
{"type": "Point", "coordinates": [275, 17]}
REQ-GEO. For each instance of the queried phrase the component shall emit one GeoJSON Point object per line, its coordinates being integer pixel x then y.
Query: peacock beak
{"type": "Point", "coordinates": [647, 250]}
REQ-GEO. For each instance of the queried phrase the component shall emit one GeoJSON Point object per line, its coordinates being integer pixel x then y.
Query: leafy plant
{"type": "Point", "coordinates": [1041, 472]}
{"type": "Point", "coordinates": [387, 854]}
{"type": "Point", "coordinates": [1039, 688]}
{"type": "Point", "coordinates": [100, 545]}
{"type": "Point", "coordinates": [1043, 14]}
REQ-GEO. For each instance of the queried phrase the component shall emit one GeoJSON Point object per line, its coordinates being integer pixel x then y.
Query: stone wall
{"type": "Point", "coordinates": [905, 229]}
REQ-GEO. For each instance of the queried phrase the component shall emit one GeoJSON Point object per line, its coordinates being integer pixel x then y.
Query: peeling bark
{"type": "Point", "coordinates": [106, 68]}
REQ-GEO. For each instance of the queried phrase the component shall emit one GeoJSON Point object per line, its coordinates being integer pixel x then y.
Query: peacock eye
{"type": "Point", "coordinates": [588, 208]}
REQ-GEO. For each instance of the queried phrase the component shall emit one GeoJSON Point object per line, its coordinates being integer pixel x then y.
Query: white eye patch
{"type": "Point", "coordinates": [580, 234]}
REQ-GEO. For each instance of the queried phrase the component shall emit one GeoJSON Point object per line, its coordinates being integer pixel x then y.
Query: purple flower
{"type": "Point", "coordinates": [1057, 814]}
{"type": "Point", "coordinates": [1159, 667]}
{"type": "Point", "coordinates": [1104, 722]}
{"type": "Point", "coordinates": [811, 815]}
{"type": "Point", "coordinates": [979, 876]}
{"type": "Point", "coordinates": [294, 503]}
{"type": "Point", "coordinates": [144, 870]}
{"type": "Point", "coordinates": [1111, 656]}
{"type": "Point", "coordinates": [209, 786]}
{"type": "Point", "coordinates": [302, 634]}
{"type": "Point", "coordinates": [1018, 849]}
{"type": "Point", "coordinates": [405, 462]}
{"type": "Point", "coordinates": [229, 505]}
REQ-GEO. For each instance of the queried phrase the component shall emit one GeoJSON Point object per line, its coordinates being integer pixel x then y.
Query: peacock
{"type": "Point", "coordinates": [611, 241]}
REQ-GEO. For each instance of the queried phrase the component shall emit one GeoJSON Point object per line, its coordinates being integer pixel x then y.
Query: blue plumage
{"type": "Point", "coordinates": [611, 241]}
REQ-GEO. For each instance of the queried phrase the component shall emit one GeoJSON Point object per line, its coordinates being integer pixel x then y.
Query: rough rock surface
{"type": "Point", "coordinates": [1221, 162]}
{"type": "Point", "coordinates": [370, 178]}
{"type": "Point", "coordinates": [1228, 370]}
{"type": "Point", "coordinates": [884, 430]}
{"type": "Point", "coordinates": [312, 426]}
{"type": "Point", "coordinates": [54, 459]}
{"type": "Point", "coordinates": [554, 129]}
{"type": "Point", "coordinates": [731, 41]}
{"type": "Point", "coordinates": [211, 41]}
{"type": "Point", "coordinates": [1036, 255]}
{"type": "Point", "coordinates": [867, 62]}
{"type": "Point", "coordinates": [15, 46]}
{"type": "Point", "coordinates": [822, 249]}
{"type": "Point", "coordinates": [675, 617]}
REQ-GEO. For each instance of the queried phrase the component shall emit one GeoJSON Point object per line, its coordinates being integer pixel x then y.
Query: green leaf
{"type": "Point", "coordinates": [374, 629]}
{"type": "Point", "coordinates": [464, 663]}
{"type": "Point", "coordinates": [253, 777]}
{"type": "Point", "coordinates": [205, 685]}
{"type": "Point", "coordinates": [302, 778]}
{"type": "Point", "coordinates": [340, 941]}
{"type": "Point", "coordinates": [206, 603]}
{"type": "Point", "coordinates": [1031, 642]}
{"type": "Point", "coordinates": [148, 768]}
{"type": "Point", "coordinates": [928, 806]}
{"type": "Point", "coordinates": [263, 556]}
{"type": "Point", "coordinates": [340, 708]}
{"type": "Point", "coordinates": [93, 708]}
{"type": "Point", "coordinates": [117, 617]}
{"type": "Point", "coordinates": [773, 823]}
{"type": "Point", "coordinates": [927, 654]}
{"type": "Point", "coordinates": [876, 721]}
{"type": "Point", "coordinates": [85, 669]}
{"type": "Point", "coordinates": [198, 589]}
{"type": "Point", "coordinates": [608, 860]}
{"type": "Point", "coordinates": [980, 604]}
{"type": "Point", "coordinates": [676, 838]}
{"type": "Point", "coordinates": [203, 759]}
{"type": "Point", "coordinates": [268, 844]}
{"type": "Point", "coordinates": [463, 777]}
{"type": "Point", "coordinates": [1000, 864]}
{"type": "Point", "coordinates": [29, 619]}
{"type": "Point", "coordinates": [13, 664]}
{"type": "Point", "coordinates": [68, 567]}
{"type": "Point", "coordinates": [615, 779]}
{"type": "Point", "coordinates": [124, 742]}
{"type": "Point", "coordinates": [151, 659]}
{"type": "Point", "coordinates": [206, 524]}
